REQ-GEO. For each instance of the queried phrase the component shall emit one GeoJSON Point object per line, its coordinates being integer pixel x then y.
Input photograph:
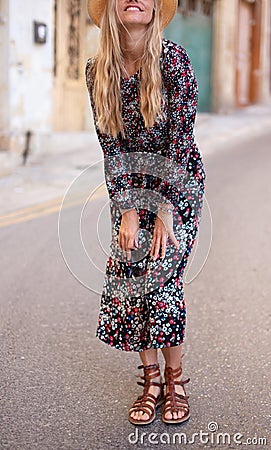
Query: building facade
{"type": "Point", "coordinates": [44, 46]}
{"type": "Point", "coordinates": [193, 28]}
{"type": "Point", "coordinates": [43, 49]}
{"type": "Point", "coordinates": [229, 45]}
{"type": "Point", "coordinates": [241, 53]}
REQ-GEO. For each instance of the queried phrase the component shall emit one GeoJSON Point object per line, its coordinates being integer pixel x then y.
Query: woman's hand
{"type": "Point", "coordinates": [163, 229]}
{"type": "Point", "coordinates": [128, 233]}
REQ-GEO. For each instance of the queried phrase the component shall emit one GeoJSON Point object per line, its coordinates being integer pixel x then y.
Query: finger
{"type": "Point", "coordinates": [136, 240]}
{"type": "Point", "coordinates": [131, 244]}
{"type": "Point", "coordinates": [157, 247]}
{"type": "Point", "coordinates": [125, 243]}
{"type": "Point", "coordinates": [152, 251]}
{"type": "Point", "coordinates": [174, 240]}
{"type": "Point", "coordinates": [120, 241]}
{"type": "Point", "coordinates": [153, 246]}
{"type": "Point", "coordinates": [123, 246]}
{"type": "Point", "coordinates": [164, 246]}
{"type": "Point", "coordinates": [134, 245]}
{"type": "Point", "coordinates": [128, 255]}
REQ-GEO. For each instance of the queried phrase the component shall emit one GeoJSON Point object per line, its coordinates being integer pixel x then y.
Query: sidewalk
{"type": "Point", "coordinates": [47, 177]}
{"type": "Point", "coordinates": [215, 132]}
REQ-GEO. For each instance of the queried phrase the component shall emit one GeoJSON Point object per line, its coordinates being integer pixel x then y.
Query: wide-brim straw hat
{"type": "Point", "coordinates": [168, 10]}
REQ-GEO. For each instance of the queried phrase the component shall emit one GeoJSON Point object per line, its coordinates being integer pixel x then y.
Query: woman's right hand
{"type": "Point", "coordinates": [163, 230]}
{"type": "Point", "coordinates": [128, 233]}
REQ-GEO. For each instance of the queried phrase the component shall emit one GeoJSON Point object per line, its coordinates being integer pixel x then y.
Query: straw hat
{"type": "Point", "coordinates": [96, 9]}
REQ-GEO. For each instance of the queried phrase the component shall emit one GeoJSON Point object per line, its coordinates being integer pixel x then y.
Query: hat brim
{"type": "Point", "coordinates": [96, 10]}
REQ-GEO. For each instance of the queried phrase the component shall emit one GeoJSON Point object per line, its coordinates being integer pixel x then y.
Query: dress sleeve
{"type": "Point", "coordinates": [182, 91]}
{"type": "Point", "coordinates": [117, 171]}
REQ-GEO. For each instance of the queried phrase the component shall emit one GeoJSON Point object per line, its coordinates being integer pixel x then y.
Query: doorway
{"type": "Point", "coordinates": [248, 53]}
{"type": "Point", "coordinates": [192, 27]}
{"type": "Point", "coordinates": [69, 93]}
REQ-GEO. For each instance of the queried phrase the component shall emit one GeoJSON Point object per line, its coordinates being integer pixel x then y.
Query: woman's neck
{"type": "Point", "coordinates": [133, 46]}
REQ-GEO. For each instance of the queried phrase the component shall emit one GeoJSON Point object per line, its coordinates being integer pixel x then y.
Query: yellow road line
{"type": "Point", "coordinates": [32, 208]}
{"type": "Point", "coordinates": [39, 206]}
{"type": "Point", "coordinates": [46, 208]}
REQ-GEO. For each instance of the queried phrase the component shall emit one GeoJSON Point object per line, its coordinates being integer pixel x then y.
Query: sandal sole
{"type": "Point", "coordinates": [176, 421]}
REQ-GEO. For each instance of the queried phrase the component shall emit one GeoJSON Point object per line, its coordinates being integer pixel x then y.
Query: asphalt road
{"type": "Point", "coordinates": [63, 389]}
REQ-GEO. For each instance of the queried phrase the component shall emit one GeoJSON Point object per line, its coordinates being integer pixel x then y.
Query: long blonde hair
{"type": "Point", "coordinates": [109, 67]}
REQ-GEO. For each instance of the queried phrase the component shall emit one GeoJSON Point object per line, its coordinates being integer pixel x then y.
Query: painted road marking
{"type": "Point", "coordinates": [48, 207]}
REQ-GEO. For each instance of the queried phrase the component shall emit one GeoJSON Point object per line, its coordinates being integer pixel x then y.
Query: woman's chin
{"type": "Point", "coordinates": [134, 22]}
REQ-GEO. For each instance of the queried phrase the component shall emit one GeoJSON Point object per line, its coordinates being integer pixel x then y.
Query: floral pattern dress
{"type": "Point", "coordinates": [142, 303]}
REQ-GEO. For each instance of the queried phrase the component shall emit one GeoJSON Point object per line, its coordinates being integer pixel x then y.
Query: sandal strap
{"type": "Point", "coordinates": [149, 411]}
{"type": "Point", "coordinates": [179, 397]}
{"type": "Point", "coordinates": [149, 367]}
{"type": "Point", "coordinates": [182, 382]}
{"type": "Point", "coordinates": [143, 403]}
{"type": "Point", "coordinates": [175, 402]}
{"type": "Point", "coordinates": [170, 373]}
{"type": "Point", "coordinates": [178, 383]}
{"type": "Point", "coordinates": [176, 409]}
{"type": "Point", "coordinates": [147, 402]}
{"type": "Point", "coordinates": [151, 383]}
{"type": "Point", "coordinates": [147, 397]}
{"type": "Point", "coordinates": [150, 372]}
{"type": "Point", "coordinates": [140, 405]}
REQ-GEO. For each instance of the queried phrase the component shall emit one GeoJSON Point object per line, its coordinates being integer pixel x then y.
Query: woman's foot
{"type": "Point", "coordinates": [143, 409]}
{"type": "Point", "coordinates": [176, 408]}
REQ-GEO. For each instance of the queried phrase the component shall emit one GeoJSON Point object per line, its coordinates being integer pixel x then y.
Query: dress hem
{"type": "Point", "coordinates": [147, 347]}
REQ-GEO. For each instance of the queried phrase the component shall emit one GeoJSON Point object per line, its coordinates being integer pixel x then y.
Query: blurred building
{"type": "Point", "coordinates": [44, 46]}
{"type": "Point", "coordinates": [229, 43]}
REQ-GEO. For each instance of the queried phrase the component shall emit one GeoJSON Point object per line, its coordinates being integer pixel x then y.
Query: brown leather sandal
{"type": "Point", "coordinates": [175, 402]}
{"type": "Point", "coordinates": [143, 401]}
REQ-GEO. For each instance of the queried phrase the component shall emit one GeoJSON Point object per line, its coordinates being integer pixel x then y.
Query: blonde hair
{"type": "Point", "coordinates": [109, 67]}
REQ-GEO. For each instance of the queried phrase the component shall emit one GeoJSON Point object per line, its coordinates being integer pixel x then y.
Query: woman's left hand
{"type": "Point", "coordinates": [163, 229]}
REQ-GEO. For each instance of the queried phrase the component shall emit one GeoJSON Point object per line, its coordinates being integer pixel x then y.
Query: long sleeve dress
{"type": "Point", "coordinates": [142, 303]}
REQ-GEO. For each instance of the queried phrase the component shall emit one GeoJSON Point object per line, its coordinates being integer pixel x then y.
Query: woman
{"type": "Point", "coordinates": [143, 94]}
